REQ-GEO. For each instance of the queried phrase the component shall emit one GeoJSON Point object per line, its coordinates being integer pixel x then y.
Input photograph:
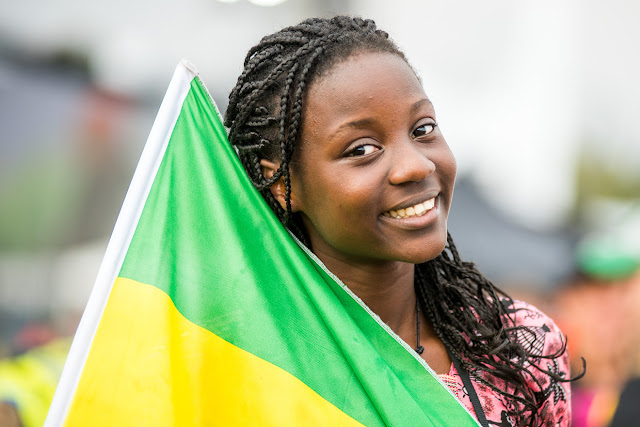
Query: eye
{"type": "Point", "coordinates": [424, 129]}
{"type": "Point", "coordinates": [362, 150]}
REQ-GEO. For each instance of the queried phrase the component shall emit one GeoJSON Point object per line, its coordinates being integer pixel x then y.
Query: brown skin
{"type": "Point", "coordinates": [369, 144]}
{"type": "Point", "coordinates": [9, 416]}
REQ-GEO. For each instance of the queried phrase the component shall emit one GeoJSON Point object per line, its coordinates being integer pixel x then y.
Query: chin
{"type": "Point", "coordinates": [426, 252]}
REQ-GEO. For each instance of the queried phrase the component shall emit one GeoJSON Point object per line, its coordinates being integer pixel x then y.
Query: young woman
{"type": "Point", "coordinates": [334, 128]}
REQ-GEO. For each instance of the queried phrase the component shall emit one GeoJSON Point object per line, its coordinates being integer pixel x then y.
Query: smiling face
{"type": "Point", "coordinates": [372, 176]}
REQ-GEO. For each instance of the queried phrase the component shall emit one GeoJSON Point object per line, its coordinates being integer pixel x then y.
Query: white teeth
{"type": "Point", "coordinates": [429, 203]}
{"type": "Point", "coordinates": [417, 210]}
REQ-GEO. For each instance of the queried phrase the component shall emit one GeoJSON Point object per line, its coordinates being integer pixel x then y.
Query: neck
{"type": "Point", "coordinates": [387, 288]}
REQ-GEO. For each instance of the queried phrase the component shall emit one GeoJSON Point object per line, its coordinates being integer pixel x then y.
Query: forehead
{"type": "Point", "coordinates": [363, 80]}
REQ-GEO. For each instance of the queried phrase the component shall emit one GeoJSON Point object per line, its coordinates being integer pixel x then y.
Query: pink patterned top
{"type": "Point", "coordinates": [548, 340]}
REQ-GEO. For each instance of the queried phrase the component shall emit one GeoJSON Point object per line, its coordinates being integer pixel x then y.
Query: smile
{"type": "Point", "coordinates": [412, 211]}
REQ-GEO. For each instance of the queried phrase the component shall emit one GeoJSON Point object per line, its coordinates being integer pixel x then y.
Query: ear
{"type": "Point", "coordinates": [278, 189]}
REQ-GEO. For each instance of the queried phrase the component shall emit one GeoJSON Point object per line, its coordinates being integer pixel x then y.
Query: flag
{"type": "Point", "coordinates": [206, 311]}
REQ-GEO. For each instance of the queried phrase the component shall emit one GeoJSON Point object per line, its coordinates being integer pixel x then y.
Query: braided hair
{"type": "Point", "coordinates": [264, 119]}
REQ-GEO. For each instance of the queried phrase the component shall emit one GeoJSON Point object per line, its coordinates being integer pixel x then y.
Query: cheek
{"type": "Point", "coordinates": [338, 204]}
{"type": "Point", "coordinates": [448, 167]}
{"type": "Point", "coordinates": [342, 199]}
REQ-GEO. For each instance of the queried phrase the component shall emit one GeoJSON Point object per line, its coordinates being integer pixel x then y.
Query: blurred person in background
{"type": "Point", "coordinates": [8, 415]}
{"type": "Point", "coordinates": [598, 310]}
{"type": "Point", "coordinates": [28, 378]}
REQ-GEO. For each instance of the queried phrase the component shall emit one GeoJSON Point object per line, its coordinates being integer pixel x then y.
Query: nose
{"type": "Point", "coordinates": [410, 163]}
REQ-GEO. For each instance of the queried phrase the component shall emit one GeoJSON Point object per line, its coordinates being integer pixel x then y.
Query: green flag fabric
{"type": "Point", "coordinates": [206, 311]}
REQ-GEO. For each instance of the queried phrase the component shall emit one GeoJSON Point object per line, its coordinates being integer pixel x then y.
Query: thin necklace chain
{"type": "Point", "coordinates": [419, 349]}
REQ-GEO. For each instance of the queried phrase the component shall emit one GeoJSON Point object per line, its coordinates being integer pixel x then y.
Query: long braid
{"type": "Point", "coordinates": [468, 315]}
{"type": "Point", "coordinates": [264, 118]}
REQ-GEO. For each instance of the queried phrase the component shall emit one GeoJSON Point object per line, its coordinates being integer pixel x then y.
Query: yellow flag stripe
{"type": "Point", "coordinates": [149, 365]}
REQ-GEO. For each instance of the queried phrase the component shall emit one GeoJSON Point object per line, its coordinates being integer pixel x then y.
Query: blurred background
{"type": "Point", "coordinates": [538, 100]}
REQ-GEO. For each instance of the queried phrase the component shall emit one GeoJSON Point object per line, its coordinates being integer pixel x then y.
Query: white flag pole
{"type": "Point", "coordinates": [123, 231]}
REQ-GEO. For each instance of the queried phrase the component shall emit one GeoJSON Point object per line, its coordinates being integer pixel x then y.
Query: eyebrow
{"type": "Point", "coordinates": [417, 105]}
{"type": "Point", "coordinates": [356, 124]}
{"type": "Point", "coordinates": [368, 121]}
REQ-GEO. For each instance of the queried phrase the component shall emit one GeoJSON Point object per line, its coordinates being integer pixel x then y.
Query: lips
{"type": "Point", "coordinates": [412, 211]}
